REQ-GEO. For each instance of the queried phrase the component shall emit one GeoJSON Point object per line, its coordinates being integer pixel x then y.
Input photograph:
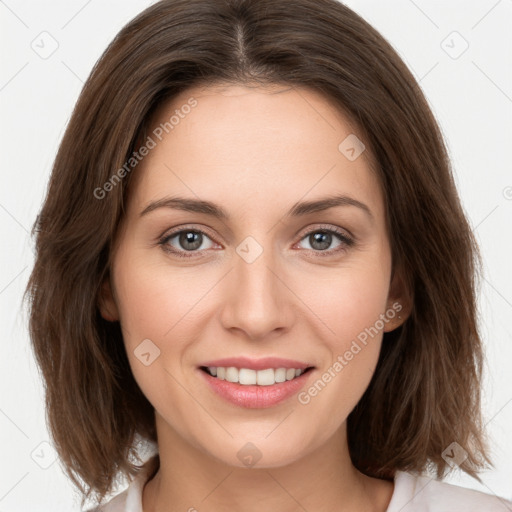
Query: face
{"type": "Point", "coordinates": [270, 279]}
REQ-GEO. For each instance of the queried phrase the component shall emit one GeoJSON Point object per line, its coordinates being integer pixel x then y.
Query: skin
{"type": "Point", "coordinates": [256, 152]}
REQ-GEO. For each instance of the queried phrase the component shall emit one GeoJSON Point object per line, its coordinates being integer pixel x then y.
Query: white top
{"type": "Point", "coordinates": [411, 493]}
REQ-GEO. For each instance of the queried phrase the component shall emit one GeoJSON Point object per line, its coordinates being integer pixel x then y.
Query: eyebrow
{"type": "Point", "coordinates": [214, 210]}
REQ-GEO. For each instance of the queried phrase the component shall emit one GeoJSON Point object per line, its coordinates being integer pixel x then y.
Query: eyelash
{"type": "Point", "coordinates": [346, 241]}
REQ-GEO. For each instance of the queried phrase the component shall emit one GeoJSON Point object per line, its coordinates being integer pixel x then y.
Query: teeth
{"type": "Point", "coordinates": [265, 377]}
{"type": "Point", "coordinates": [291, 373]}
{"type": "Point", "coordinates": [280, 374]}
{"type": "Point", "coordinates": [248, 377]}
{"type": "Point", "coordinates": [231, 374]}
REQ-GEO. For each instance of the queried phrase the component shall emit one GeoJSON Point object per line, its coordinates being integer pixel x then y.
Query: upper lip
{"type": "Point", "coordinates": [256, 364]}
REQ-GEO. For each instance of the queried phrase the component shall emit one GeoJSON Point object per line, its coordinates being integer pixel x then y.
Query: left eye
{"type": "Point", "coordinates": [191, 241]}
{"type": "Point", "coordinates": [320, 239]}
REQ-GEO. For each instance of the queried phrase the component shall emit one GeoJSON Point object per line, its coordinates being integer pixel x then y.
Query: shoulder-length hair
{"type": "Point", "coordinates": [425, 393]}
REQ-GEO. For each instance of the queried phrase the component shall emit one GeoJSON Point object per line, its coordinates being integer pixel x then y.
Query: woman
{"type": "Point", "coordinates": [252, 255]}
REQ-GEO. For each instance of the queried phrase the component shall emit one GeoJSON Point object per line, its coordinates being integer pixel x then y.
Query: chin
{"type": "Point", "coordinates": [261, 450]}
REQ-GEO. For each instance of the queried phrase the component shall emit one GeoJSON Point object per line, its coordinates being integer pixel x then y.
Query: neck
{"type": "Point", "coordinates": [324, 480]}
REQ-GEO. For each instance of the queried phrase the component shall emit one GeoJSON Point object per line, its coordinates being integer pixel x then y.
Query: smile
{"type": "Point", "coordinates": [255, 389]}
{"type": "Point", "coordinates": [247, 376]}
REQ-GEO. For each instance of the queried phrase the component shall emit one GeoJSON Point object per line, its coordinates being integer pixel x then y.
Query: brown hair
{"type": "Point", "coordinates": [425, 392]}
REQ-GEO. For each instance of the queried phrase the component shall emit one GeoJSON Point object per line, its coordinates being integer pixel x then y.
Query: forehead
{"type": "Point", "coordinates": [233, 143]}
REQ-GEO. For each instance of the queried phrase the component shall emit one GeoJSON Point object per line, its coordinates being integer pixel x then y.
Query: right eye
{"type": "Point", "coordinates": [183, 241]}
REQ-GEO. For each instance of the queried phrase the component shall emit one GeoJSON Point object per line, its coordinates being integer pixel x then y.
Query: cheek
{"type": "Point", "coordinates": [164, 305]}
{"type": "Point", "coordinates": [154, 299]}
{"type": "Point", "coordinates": [353, 352]}
{"type": "Point", "coordinates": [348, 300]}
{"type": "Point", "coordinates": [155, 305]}
{"type": "Point", "coordinates": [350, 305]}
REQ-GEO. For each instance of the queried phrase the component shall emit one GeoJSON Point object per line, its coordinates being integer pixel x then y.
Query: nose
{"type": "Point", "coordinates": [258, 300]}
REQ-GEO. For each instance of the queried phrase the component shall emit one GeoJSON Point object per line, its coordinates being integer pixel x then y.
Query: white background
{"type": "Point", "coordinates": [471, 96]}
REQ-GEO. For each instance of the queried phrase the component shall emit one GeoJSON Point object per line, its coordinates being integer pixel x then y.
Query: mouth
{"type": "Point", "coordinates": [255, 389]}
{"type": "Point", "coordinates": [250, 377]}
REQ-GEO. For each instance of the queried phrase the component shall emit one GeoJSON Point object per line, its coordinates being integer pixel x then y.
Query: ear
{"type": "Point", "coordinates": [400, 301]}
{"type": "Point", "coordinates": [106, 302]}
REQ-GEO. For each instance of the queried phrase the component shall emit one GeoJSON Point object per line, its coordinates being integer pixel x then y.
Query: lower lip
{"type": "Point", "coordinates": [255, 397]}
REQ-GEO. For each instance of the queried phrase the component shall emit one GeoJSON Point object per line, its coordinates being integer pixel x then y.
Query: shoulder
{"type": "Point", "coordinates": [130, 500]}
{"type": "Point", "coordinates": [424, 494]}
{"type": "Point", "coordinates": [116, 504]}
